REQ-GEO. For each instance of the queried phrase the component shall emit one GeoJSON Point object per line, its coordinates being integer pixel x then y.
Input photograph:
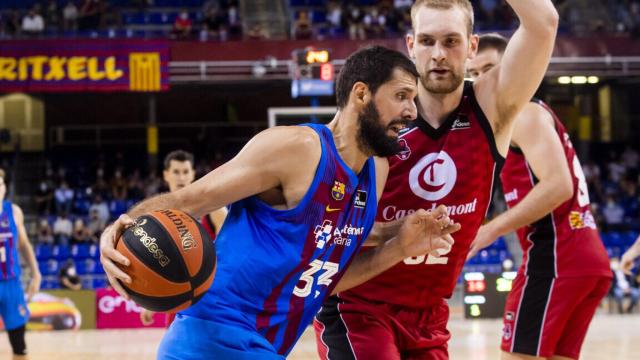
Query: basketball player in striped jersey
{"type": "Point", "coordinates": [13, 307]}
{"type": "Point", "coordinates": [304, 199]}
{"type": "Point", "coordinates": [565, 269]}
{"type": "Point", "coordinates": [451, 157]}
{"type": "Point", "coordinates": [179, 171]}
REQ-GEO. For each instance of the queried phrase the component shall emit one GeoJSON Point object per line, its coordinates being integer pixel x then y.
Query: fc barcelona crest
{"type": "Point", "coordinates": [337, 192]}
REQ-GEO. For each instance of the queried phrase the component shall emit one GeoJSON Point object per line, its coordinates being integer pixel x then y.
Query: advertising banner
{"type": "Point", "coordinates": [84, 65]}
{"type": "Point", "coordinates": [115, 312]}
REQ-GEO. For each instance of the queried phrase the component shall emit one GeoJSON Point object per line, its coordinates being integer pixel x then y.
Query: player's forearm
{"type": "Point", "coordinates": [634, 250]}
{"type": "Point", "coordinates": [30, 256]}
{"type": "Point", "coordinates": [383, 231]}
{"type": "Point", "coordinates": [370, 263]}
{"type": "Point", "coordinates": [540, 201]}
{"type": "Point", "coordinates": [539, 15]}
{"type": "Point", "coordinates": [159, 202]}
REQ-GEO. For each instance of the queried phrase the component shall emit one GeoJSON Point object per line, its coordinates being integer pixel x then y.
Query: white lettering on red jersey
{"type": "Point", "coordinates": [454, 165]}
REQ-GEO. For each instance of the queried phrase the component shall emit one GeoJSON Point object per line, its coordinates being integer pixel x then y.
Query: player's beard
{"type": "Point", "coordinates": [446, 86]}
{"type": "Point", "coordinates": [372, 136]}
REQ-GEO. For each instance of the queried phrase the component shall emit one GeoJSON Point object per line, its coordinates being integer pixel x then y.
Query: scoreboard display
{"type": "Point", "coordinates": [485, 294]}
{"type": "Point", "coordinates": [312, 73]}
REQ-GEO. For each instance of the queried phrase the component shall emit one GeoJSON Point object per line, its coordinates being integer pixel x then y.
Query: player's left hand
{"type": "Point", "coordinates": [627, 260]}
{"type": "Point", "coordinates": [484, 238]}
{"type": "Point", "coordinates": [34, 286]}
{"type": "Point", "coordinates": [426, 232]}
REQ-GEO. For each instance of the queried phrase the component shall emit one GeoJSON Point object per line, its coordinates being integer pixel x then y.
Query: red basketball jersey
{"type": "Point", "coordinates": [566, 241]}
{"type": "Point", "coordinates": [454, 165]}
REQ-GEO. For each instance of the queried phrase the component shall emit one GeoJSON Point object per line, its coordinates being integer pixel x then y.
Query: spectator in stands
{"type": "Point", "coordinates": [45, 233]}
{"type": "Point", "coordinates": [90, 13]}
{"type": "Point", "coordinates": [100, 208]}
{"type": "Point", "coordinates": [182, 26]}
{"type": "Point", "coordinates": [136, 186]}
{"type": "Point", "coordinates": [11, 23]}
{"type": "Point", "coordinates": [119, 186]}
{"type": "Point", "coordinates": [213, 25]}
{"type": "Point", "coordinates": [96, 225]}
{"type": "Point", "coordinates": [302, 27]}
{"type": "Point", "coordinates": [334, 18]}
{"type": "Point", "coordinates": [110, 16]}
{"type": "Point", "coordinates": [80, 233]}
{"type": "Point", "coordinates": [100, 186]}
{"type": "Point", "coordinates": [630, 157]}
{"type": "Point", "coordinates": [624, 285]}
{"type": "Point", "coordinates": [70, 16]}
{"type": "Point", "coordinates": [374, 22]}
{"type": "Point", "coordinates": [257, 32]}
{"type": "Point", "coordinates": [354, 24]}
{"type": "Point", "coordinates": [153, 184]}
{"type": "Point", "coordinates": [487, 10]}
{"type": "Point", "coordinates": [232, 22]}
{"type": "Point", "coordinates": [210, 5]}
{"type": "Point", "coordinates": [32, 23]}
{"type": "Point", "coordinates": [63, 197]}
{"type": "Point", "coordinates": [62, 229]}
{"type": "Point", "coordinates": [616, 167]}
{"type": "Point", "coordinates": [402, 5]}
{"type": "Point", "coordinates": [44, 198]}
{"type": "Point", "coordinates": [52, 16]}
{"type": "Point", "coordinates": [629, 201]}
{"type": "Point", "coordinates": [69, 278]}
{"type": "Point", "coordinates": [613, 213]}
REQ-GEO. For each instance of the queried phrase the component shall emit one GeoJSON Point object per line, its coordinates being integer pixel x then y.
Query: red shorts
{"type": "Point", "coordinates": [546, 316]}
{"type": "Point", "coordinates": [355, 329]}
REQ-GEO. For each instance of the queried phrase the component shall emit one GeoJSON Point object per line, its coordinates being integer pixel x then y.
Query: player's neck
{"type": "Point", "coordinates": [436, 108]}
{"type": "Point", "coordinates": [344, 128]}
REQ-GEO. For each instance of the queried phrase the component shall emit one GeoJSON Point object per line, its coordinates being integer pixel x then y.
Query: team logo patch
{"type": "Point", "coordinates": [337, 191]}
{"type": "Point", "coordinates": [578, 220]}
{"type": "Point", "coordinates": [507, 332]}
{"type": "Point", "coordinates": [22, 310]}
{"type": "Point", "coordinates": [462, 122]}
{"type": "Point", "coordinates": [361, 199]}
{"type": "Point", "coordinates": [405, 152]}
{"type": "Point", "coordinates": [509, 316]}
{"type": "Point", "coordinates": [433, 177]}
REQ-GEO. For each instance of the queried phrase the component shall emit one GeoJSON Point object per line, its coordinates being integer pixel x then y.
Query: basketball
{"type": "Point", "coordinates": [173, 260]}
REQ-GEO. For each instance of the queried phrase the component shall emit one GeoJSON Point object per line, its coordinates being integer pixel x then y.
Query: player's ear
{"type": "Point", "coordinates": [474, 39]}
{"type": "Point", "coordinates": [410, 41]}
{"type": "Point", "coordinates": [360, 94]}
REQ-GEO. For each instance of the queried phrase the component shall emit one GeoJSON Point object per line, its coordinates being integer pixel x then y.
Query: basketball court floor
{"type": "Point", "coordinates": [611, 337]}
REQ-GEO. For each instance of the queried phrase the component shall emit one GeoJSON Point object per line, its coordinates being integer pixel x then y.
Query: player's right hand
{"type": "Point", "coordinates": [627, 261]}
{"type": "Point", "coordinates": [146, 317]}
{"type": "Point", "coordinates": [109, 256]}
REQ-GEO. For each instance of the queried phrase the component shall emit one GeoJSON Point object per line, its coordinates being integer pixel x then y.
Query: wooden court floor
{"type": "Point", "coordinates": [611, 337]}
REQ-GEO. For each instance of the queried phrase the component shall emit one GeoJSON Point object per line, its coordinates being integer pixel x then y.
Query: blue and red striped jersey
{"type": "Point", "coordinates": [9, 264]}
{"type": "Point", "coordinates": [276, 267]}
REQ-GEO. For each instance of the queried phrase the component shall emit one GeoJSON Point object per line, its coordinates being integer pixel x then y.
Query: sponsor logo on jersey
{"type": "Point", "coordinates": [406, 150]}
{"type": "Point", "coordinates": [460, 123]}
{"type": "Point", "coordinates": [337, 191]}
{"type": "Point", "coordinates": [361, 199]}
{"type": "Point", "coordinates": [392, 212]}
{"type": "Point", "coordinates": [4, 223]}
{"type": "Point", "coordinates": [511, 195]}
{"type": "Point", "coordinates": [326, 233]}
{"type": "Point", "coordinates": [433, 177]}
{"type": "Point", "coordinates": [330, 209]}
{"type": "Point", "coordinates": [578, 220]}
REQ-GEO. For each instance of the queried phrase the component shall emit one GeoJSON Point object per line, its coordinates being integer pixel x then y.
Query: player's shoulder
{"type": "Point", "coordinates": [17, 210]}
{"type": "Point", "coordinates": [535, 113]}
{"type": "Point", "coordinates": [298, 138]}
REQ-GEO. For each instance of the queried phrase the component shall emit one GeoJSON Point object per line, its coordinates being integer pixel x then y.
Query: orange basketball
{"type": "Point", "coordinates": [173, 260]}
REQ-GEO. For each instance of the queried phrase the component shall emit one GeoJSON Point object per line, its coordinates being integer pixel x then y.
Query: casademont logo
{"type": "Point", "coordinates": [151, 245]}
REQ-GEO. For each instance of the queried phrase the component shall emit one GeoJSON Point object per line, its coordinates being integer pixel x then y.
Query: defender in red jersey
{"type": "Point", "coordinates": [451, 158]}
{"type": "Point", "coordinates": [565, 271]}
{"type": "Point", "coordinates": [179, 171]}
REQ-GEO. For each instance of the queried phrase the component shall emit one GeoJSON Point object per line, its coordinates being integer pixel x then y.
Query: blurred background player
{"type": "Point", "coordinates": [303, 201]}
{"type": "Point", "coordinates": [565, 269]}
{"type": "Point", "coordinates": [451, 157]}
{"type": "Point", "coordinates": [13, 307]}
{"type": "Point", "coordinates": [179, 171]}
{"type": "Point", "coordinates": [629, 257]}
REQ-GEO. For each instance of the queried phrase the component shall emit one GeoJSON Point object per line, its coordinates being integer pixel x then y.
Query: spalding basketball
{"type": "Point", "coordinates": [173, 260]}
